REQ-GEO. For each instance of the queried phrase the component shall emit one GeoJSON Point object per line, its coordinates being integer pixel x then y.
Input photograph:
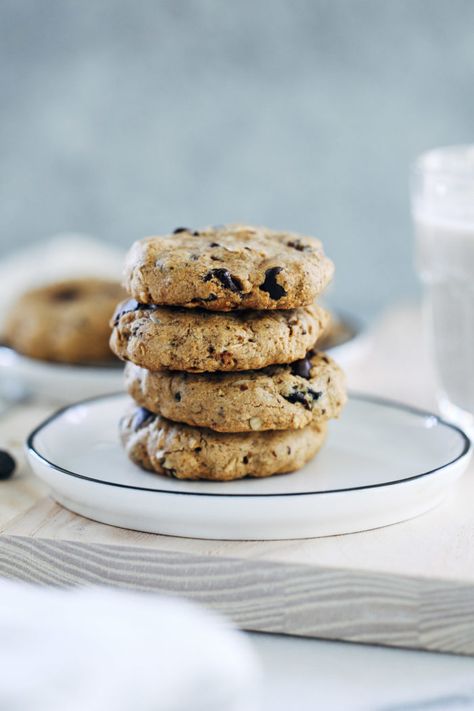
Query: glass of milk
{"type": "Point", "coordinates": [443, 213]}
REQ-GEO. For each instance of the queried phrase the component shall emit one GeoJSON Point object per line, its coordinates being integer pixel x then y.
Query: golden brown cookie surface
{"type": "Point", "coordinates": [160, 338]}
{"type": "Point", "coordinates": [187, 452]}
{"type": "Point", "coordinates": [228, 267]}
{"type": "Point", "coordinates": [65, 322]}
{"type": "Point", "coordinates": [278, 397]}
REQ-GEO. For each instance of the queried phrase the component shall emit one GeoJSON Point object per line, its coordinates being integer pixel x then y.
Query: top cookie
{"type": "Point", "coordinates": [227, 267]}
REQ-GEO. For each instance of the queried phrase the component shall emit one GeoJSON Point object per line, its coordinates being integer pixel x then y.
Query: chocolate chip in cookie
{"type": "Point", "coordinates": [226, 279]}
{"type": "Point", "coordinates": [271, 286]}
{"type": "Point", "coordinates": [141, 418]}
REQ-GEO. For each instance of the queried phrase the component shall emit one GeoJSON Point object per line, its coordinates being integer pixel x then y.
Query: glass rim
{"type": "Point", "coordinates": [430, 162]}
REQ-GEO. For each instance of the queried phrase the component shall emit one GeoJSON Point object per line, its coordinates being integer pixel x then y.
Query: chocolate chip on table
{"type": "Point", "coordinates": [7, 464]}
{"type": "Point", "coordinates": [271, 286]}
{"type": "Point", "coordinates": [302, 367]}
{"type": "Point", "coordinates": [141, 418]}
{"type": "Point", "coordinates": [227, 280]}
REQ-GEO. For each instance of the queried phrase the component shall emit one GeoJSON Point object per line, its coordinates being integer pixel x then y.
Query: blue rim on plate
{"type": "Point", "coordinates": [465, 449]}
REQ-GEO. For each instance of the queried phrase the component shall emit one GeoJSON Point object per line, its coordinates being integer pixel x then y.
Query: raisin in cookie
{"type": "Point", "coordinates": [65, 322]}
{"type": "Point", "coordinates": [279, 397]}
{"type": "Point", "coordinates": [187, 452]}
{"type": "Point", "coordinates": [160, 337]}
{"type": "Point", "coordinates": [228, 267]}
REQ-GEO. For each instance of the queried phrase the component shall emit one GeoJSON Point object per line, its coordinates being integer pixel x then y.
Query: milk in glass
{"type": "Point", "coordinates": [443, 211]}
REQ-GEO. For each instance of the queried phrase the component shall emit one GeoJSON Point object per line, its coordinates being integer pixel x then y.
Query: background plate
{"type": "Point", "coordinates": [59, 382]}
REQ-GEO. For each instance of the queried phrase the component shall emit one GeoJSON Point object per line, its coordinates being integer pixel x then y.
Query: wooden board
{"type": "Point", "coordinates": [409, 585]}
{"type": "Point", "coordinates": [396, 586]}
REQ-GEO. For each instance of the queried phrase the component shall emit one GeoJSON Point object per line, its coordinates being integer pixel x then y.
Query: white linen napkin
{"type": "Point", "coordinates": [63, 256]}
{"type": "Point", "coordinates": [97, 649]}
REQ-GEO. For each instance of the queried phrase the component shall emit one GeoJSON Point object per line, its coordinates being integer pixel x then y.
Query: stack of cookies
{"type": "Point", "coordinates": [220, 334]}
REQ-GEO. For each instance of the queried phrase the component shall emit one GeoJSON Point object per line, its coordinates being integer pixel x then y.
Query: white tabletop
{"type": "Point", "coordinates": [307, 674]}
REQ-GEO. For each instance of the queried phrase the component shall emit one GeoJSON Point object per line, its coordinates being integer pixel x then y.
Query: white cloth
{"type": "Point", "coordinates": [97, 649]}
{"type": "Point", "coordinates": [63, 256]}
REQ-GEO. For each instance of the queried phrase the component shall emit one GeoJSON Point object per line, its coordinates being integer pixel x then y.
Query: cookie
{"type": "Point", "coordinates": [187, 452]}
{"type": "Point", "coordinates": [278, 397]}
{"type": "Point", "coordinates": [227, 267]}
{"type": "Point", "coordinates": [65, 322]}
{"type": "Point", "coordinates": [160, 337]}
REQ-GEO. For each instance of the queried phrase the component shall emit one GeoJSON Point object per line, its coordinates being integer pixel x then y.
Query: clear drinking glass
{"type": "Point", "coordinates": [443, 214]}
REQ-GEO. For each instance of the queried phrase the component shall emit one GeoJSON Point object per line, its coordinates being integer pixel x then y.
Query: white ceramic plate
{"type": "Point", "coordinates": [382, 463]}
{"type": "Point", "coordinates": [58, 382]}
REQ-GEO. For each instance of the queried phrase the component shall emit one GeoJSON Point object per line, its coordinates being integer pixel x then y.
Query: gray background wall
{"type": "Point", "coordinates": [123, 118]}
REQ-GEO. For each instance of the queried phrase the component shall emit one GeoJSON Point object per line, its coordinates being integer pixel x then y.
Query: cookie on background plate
{"type": "Point", "coordinates": [228, 267]}
{"type": "Point", "coordinates": [278, 397]}
{"type": "Point", "coordinates": [187, 452]}
{"type": "Point", "coordinates": [194, 340]}
{"type": "Point", "coordinates": [65, 322]}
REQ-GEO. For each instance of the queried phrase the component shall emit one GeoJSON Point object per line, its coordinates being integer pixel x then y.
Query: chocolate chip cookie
{"type": "Point", "coordinates": [160, 337]}
{"type": "Point", "coordinates": [187, 452]}
{"type": "Point", "coordinates": [278, 397]}
{"type": "Point", "coordinates": [65, 322]}
{"type": "Point", "coordinates": [227, 267]}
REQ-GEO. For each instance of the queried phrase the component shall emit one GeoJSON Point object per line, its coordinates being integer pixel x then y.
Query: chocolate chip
{"type": "Point", "coordinates": [271, 286]}
{"type": "Point", "coordinates": [214, 244]}
{"type": "Point", "coordinates": [298, 396]}
{"type": "Point", "coordinates": [66, 294]}
{"type": "Point", "coordinates": [129, 306]}
{"type": "Point", "coordinates": [245, 460]}
{"type": "Point", "coordinates": [141, 418]}
{"type": "Point", "coordinates": [302, 368]}
{"type": "Point", "coordinates": [297, 244]}
{"type": "Point", "coordinates": [181, 229]}
{"type": "Point", "coordinates": [227, 280]}
{"type": "Point", "coordinates": [7, 464]}
{"type": "Point", "coordinates": [177, 397]}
